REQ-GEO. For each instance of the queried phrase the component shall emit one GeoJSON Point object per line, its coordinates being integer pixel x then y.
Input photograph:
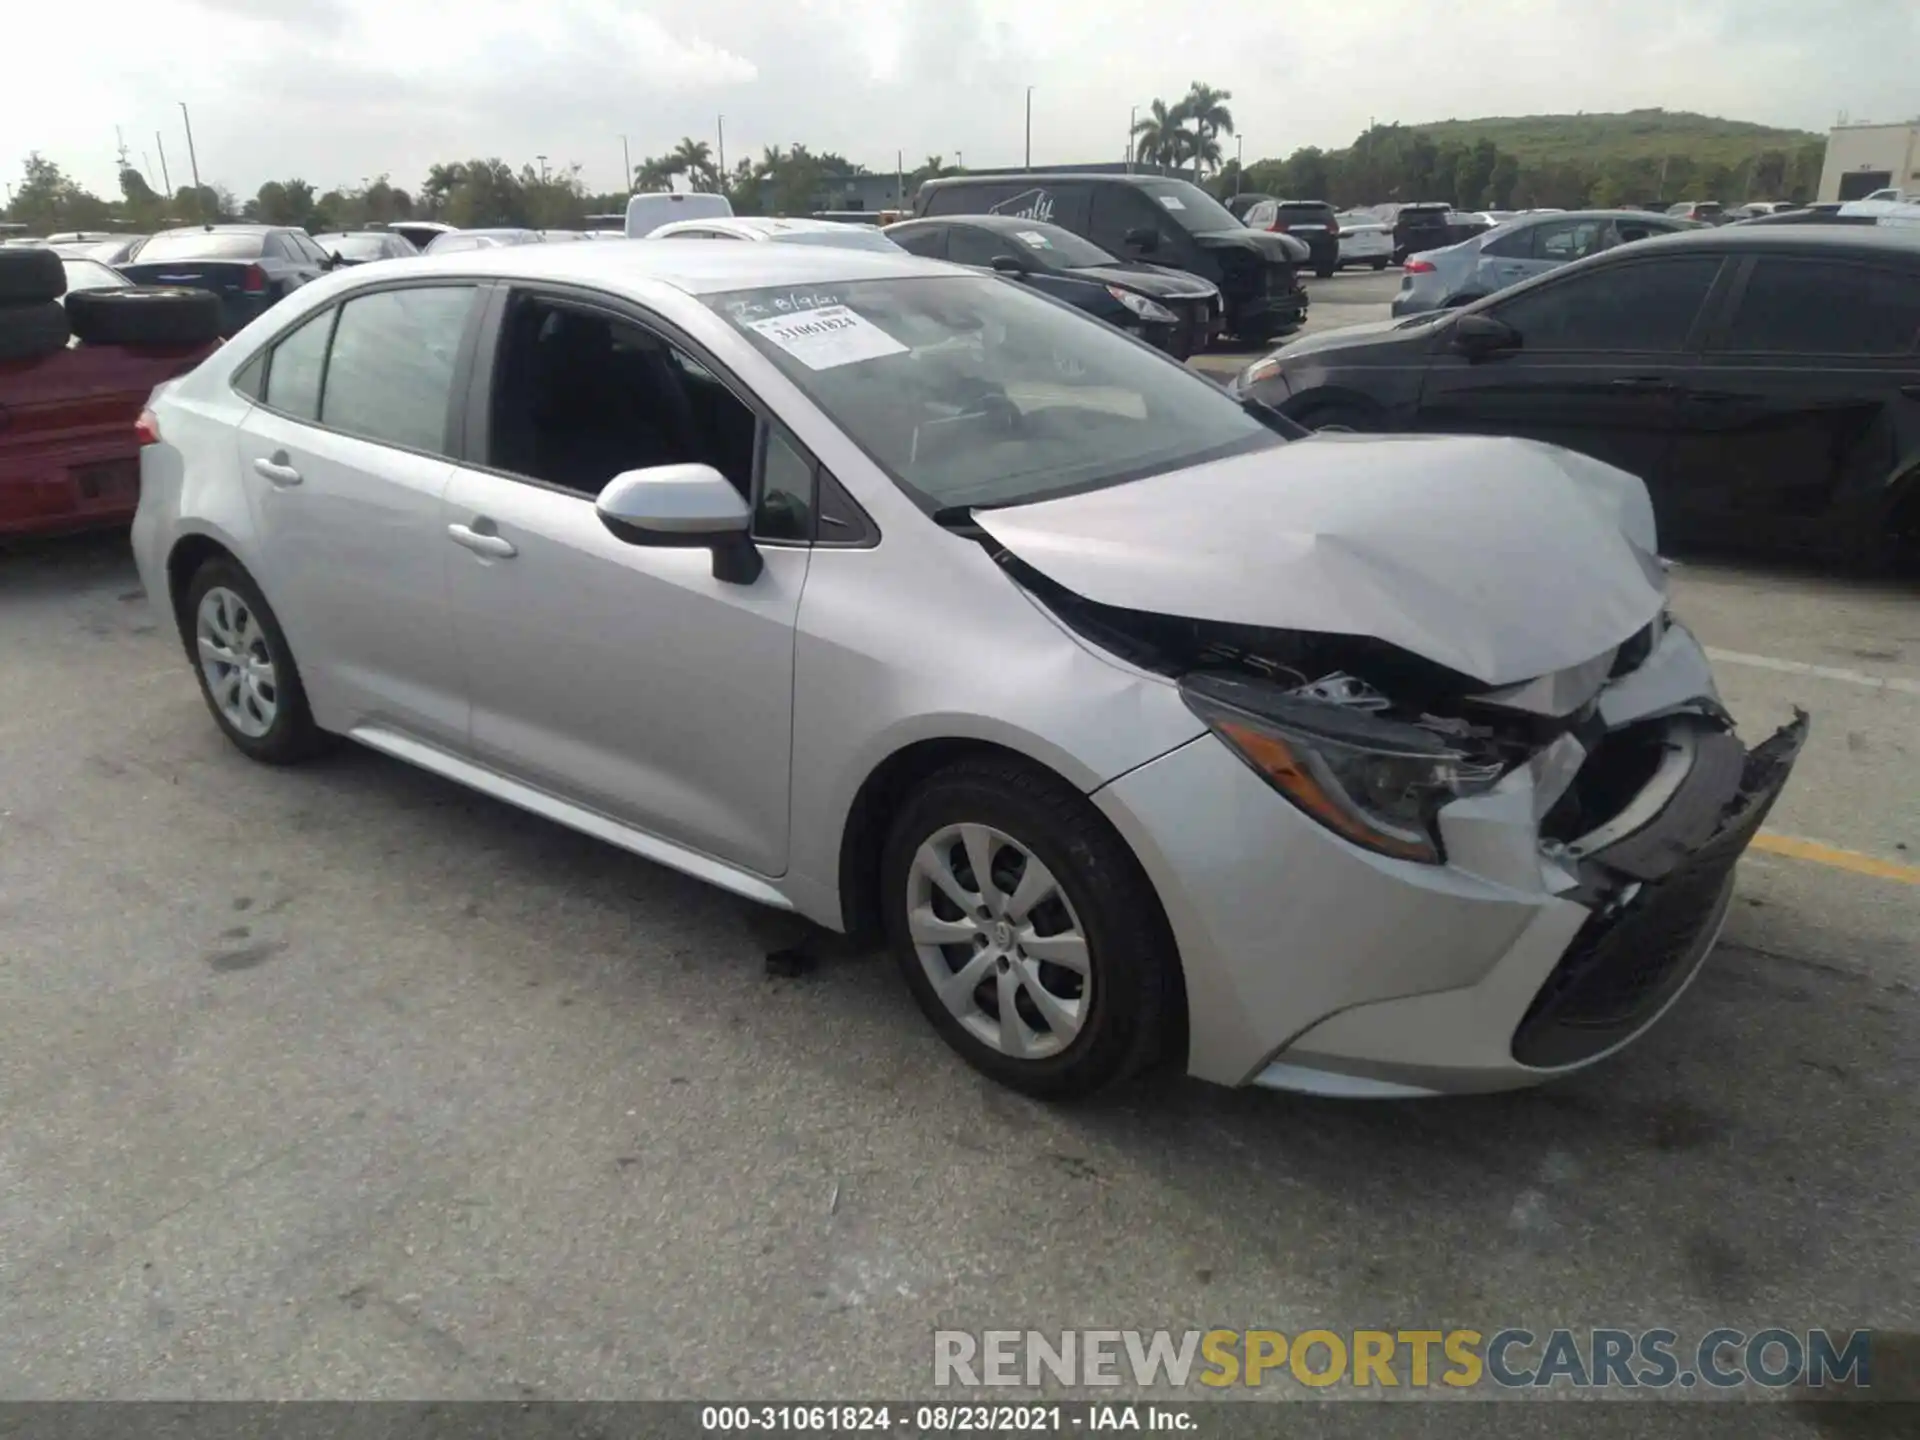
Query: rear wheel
{"type": "Point", "coordinates": [246, 670]}
{"type": "Point", "coordinates": [1026, 930]}
{"type": "Point", "coordinates": [1380, 264]}
{"type": "Point", "coordinates": [1325, 272]}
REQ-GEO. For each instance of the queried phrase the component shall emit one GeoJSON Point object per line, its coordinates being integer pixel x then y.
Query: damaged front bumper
{"type": "Point", "coordinates": [1542, 944]}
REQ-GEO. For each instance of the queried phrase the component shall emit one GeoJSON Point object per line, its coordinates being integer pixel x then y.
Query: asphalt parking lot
{"type": "Point", "coordinates": [342, 1081]}
{"type": "Point", "coordinates": [1350, 297]}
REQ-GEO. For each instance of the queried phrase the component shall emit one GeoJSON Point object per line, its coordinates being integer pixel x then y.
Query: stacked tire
{"type": "Point", "coordinates": [34, 323]}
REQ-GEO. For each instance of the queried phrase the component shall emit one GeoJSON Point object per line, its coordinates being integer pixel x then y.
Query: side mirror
{"type": "Point", "coordinates": [687, 507]}
{"type": "Point", "coordinates": [336, 260]}
{"type": "Point", "coordinates": [1009, 265]}
{"type": "Point", "coordinates": [1142, 238]}
{"type": "Point", "coordinates": [1480, 335]}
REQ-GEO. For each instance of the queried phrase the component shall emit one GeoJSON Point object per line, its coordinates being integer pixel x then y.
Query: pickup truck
{"type": "Point", "coordinates": [76, 368]}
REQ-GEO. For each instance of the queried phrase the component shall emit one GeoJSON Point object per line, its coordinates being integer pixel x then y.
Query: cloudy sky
{"type": "Point", "coordinates": [337, 90]}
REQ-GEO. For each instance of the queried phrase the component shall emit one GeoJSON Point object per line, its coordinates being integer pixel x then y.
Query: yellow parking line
{"type": "Point", "coordinates": [1839, 859]}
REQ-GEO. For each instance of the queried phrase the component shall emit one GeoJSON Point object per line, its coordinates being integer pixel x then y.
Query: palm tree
{"type": "Point", "coordinates": [655, 174]}
{"type": "Point", "coordinates": [1207, 108]}
{"type": "Point", "coordinates": [694, 159]}
{"type": "Point", "coordinates": [1158, 139]}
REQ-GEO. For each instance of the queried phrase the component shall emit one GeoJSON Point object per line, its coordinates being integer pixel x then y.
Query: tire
{"type": "Point", "coordinates": [1126, 999]}
{"type": "Point", "coordinates": [1341, 415]}
{"type": "Point", "coordinates": [289, 735]}
{"type": "Point", "coordinates": [146, 315]}
{"type": "Point", "coordinates": [1325, 272]}
{"type": "Point", "coordinates": [28, 332]}
{"type": "Point", "coordinates": [30, 275]}
{"type": "Point", "coordinates": [1379, 264]}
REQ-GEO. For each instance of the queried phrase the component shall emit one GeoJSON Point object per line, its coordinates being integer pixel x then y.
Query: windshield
{"type": "Point", "coordinates": [1191, 207]}
{"type": "Point", "coordinates": [201, 245]}
{"type": "Point", "coordinates": [1059, 249]}
{"type": "Point", "coordinates": [969, 391]}
{"type": "Point", "coordinates": [92, 275]}
{"type": "Point", "coordinates": [851, 238]}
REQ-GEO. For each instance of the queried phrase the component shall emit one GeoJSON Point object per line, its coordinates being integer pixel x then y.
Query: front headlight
{"type": "Point", "coordinates": [1143, 307]}
{"type": "Point", "coordinates": [1375, 782]}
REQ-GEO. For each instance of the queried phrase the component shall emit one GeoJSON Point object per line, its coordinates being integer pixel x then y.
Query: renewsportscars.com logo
{"type": "Point", "coordinates": [1507, 1359]}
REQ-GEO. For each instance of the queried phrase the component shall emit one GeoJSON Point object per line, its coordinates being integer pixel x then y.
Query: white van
{"type": "Point", "coordinates": [1884, 212]}
{"type": "Point", "coordinates": [647, 213]}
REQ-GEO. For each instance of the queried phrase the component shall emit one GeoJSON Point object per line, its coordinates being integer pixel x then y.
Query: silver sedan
{"type": "Point", "coordinates": [880, 591]}
{"type": "Point", "coordinates": [1517, 250]}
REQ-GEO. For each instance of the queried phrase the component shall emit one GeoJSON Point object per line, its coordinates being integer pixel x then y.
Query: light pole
{"type": "Point", "coordinates": [626, 158]}
{"type": "Point", "coordinates": [165, 179]}
{"type": "Point", "coordinates": [192, 159]}
{"type": "Point", "coordinates": [1133, 119]}
{"type": "Point", "coordinates": [1239, 161]}
{"type": "Point", "coordinates": [1029, 127]}
{"type": "Point", "coordinates": [720, 134]}
{"type": "Point", "coordinates": [543, 168]}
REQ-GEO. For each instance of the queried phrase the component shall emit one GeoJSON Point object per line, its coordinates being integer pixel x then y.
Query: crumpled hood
{"type": "Point", "coordinates": [1500, 559]}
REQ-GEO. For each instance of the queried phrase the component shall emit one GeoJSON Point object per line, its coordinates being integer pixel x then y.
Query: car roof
{"type": "Point", "coordinates": [235, 229]}
{"type": "Point", "coordinates": [764, 225]}
{"type": "Point", "coordinates": [1045, 177]}
{"type": "Point", "coordinates": [1868, 239]}
{"type": "Point", "coordinates": [358, 235]}
{"type": "Point", "coordinates": [698, 267]}
{"type": "Point", "coordinates": [985, 222]}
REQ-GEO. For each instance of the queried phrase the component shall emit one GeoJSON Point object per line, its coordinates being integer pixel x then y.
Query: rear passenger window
{"type": "Point", "coordinates": [1814, 307]}
{"type": "Point", "coordinates": [927, 240]}
{"type": "Point", "coordinates": [294, 369]}
{"type": "Point", "coordinates": [391, 373]}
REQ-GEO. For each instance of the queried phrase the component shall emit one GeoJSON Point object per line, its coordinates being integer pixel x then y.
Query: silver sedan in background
{"type": "Point", "coordinates": [1518, 250]}
{"type": "Point", "coordinates": [1140, 723]}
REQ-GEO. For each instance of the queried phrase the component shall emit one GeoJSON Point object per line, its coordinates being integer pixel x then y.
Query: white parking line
{"type": "Point", "coordinates": [1818, 672]}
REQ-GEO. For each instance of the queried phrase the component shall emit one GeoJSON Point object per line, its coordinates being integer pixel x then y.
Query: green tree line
{"type": "Point", "coordinates": [1388, 163]}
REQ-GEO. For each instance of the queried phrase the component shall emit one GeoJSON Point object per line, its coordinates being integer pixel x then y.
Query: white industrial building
{"type": "Point", "coordinates": [1864, 158]}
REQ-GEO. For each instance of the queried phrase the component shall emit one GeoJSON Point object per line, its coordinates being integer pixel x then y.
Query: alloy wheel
{"type": "Point", "coordinates": [999, 941]}
{"type": "Point", "coordinates": [237, 662]}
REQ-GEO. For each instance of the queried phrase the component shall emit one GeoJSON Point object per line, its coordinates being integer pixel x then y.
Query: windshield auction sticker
{"type": "Point", "coordinates": [826, 338]}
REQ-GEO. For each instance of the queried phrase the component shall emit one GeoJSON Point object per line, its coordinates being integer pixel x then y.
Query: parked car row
{"type": "Point", "coordinates": [1470, 269]}
{"type": "Point", "coordinates": [1763, 380]}
{"type": "Point", "coordinates": [1308, 762]}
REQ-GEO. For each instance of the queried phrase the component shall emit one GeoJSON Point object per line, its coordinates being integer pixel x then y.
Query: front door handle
{"type": "Point", "coordinates": [481, 543]}
{"type": "Point", "coordinates": [1645, 384]}
{"type": "Point", "coordinates": [277, 469]}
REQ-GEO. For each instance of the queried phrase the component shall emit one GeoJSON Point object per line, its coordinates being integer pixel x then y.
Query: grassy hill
{"type": "Point", "coordinates": [1631, 135]}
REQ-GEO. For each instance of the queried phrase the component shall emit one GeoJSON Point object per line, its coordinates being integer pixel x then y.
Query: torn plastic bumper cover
{"type": "Point", "coordinates": [1641, 948]}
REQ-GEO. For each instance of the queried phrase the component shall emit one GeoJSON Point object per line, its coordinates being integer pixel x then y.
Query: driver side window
{"type": "Point", "coordinates": [1645, 307]}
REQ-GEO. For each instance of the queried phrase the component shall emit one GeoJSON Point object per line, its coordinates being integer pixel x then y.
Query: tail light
{"type": "Point", "coordinates": [254, 280]}
{"type": "Point", "coordinates": [1278, 227]}
{"type": "Point", "coordinates": [1417, 267]}
{"type": "Point", "coordinates": [147, 428]}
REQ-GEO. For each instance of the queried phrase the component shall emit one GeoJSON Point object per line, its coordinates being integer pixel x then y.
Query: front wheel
{"type": "Point", "coordinates": [1026, 930]}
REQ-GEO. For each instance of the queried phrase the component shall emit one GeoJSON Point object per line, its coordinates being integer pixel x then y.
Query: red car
{"type": "Point", "coordinates": [81, 349]}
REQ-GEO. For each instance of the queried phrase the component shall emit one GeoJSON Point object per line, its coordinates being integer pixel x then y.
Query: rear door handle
{"type": "Point", "coordinates": [277, 470]}
{"type": "Point", "coordinates": [1647, 384]}
{"type": "Point", "coordinates": [481, 543]}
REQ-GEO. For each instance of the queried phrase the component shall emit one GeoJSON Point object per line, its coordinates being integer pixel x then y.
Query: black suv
{"type": "Point", "coordinates": [1314, 223]}
{"type": "Point", "coordinates": [1764, 381]}
{"type": "Point", "coordinates": [1154, 219]}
